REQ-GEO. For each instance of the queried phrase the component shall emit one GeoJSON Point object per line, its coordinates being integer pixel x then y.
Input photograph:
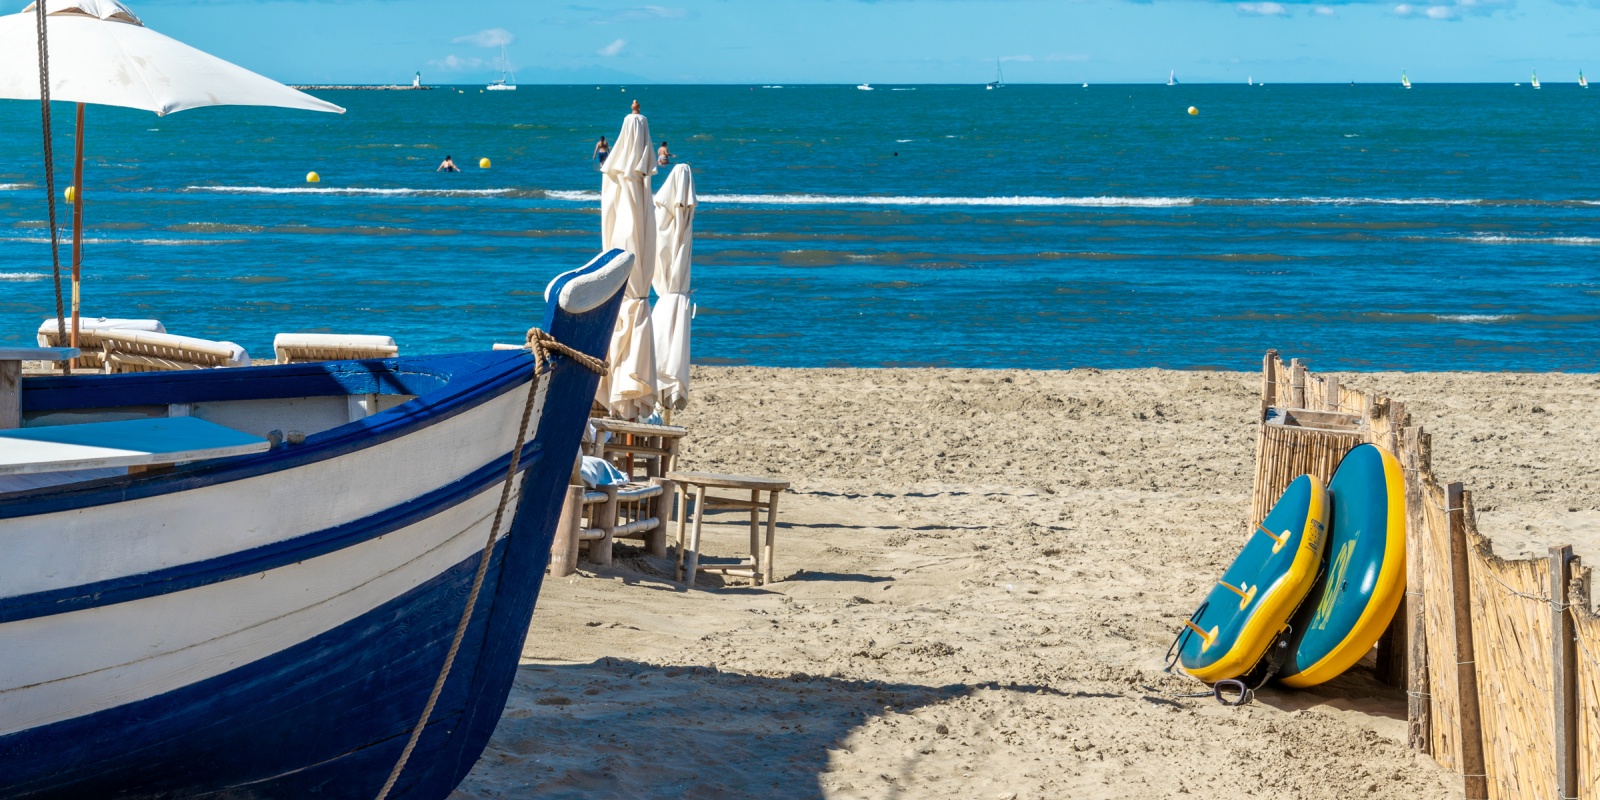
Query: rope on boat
{"type": "Point", "coordinates": [50, 173]}
{"type": "Point", "coordinates": [542, 344]}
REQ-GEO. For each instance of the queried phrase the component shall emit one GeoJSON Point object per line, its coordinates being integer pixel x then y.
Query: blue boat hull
{"type": "Point", "coordinates": [327, 715]}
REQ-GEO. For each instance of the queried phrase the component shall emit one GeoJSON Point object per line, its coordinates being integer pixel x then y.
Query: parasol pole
{"type": "Point", "coordinates": [77, 227]}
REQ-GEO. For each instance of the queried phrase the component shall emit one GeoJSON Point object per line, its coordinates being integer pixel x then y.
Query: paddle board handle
{"type": "Point", "coordinates": [1280, 540]}
{"type": "Point", "coordinates": [1245, 595]}
{"type": "Point", "coordinates": [1205, 638]}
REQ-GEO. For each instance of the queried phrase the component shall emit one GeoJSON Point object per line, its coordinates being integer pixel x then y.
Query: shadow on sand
{"type": "Point", "coordinates": [618, 728]}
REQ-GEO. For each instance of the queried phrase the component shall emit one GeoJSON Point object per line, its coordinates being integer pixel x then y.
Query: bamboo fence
{"type": "Point", "coordinates": [1500, 658]}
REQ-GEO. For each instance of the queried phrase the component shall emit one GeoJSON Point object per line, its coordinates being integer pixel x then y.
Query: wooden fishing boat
{"type": "Point", "coordinates": [273, 624]}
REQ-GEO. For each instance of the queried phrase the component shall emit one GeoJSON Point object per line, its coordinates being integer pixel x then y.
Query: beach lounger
{"type": "Point", "coordinates": [600, 515]}
{"type": "Point", "coordinates": [140, 351]}
{"type": "Point", "coordinates": [298, 348]}
{"type": "Point", "coordinates": [92, 357]}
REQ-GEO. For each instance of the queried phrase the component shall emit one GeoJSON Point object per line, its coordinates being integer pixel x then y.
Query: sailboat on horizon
{"type": "Point", "coordinates": [1536, 79]}
{"type": "Point", "coordinates": [1172, 78]}
{"type": "Point", "coordinates": [1404, 81]}
{"type": "Point", "coordinates": [999, 81]}
{"type": "Point", "coordinates": [1583, 83]}
{"type": "Point", "coordinates": [503, 85]}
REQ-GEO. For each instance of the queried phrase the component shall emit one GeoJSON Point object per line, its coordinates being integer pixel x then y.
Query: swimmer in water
{"type": "Point", "coordinates": [448, 166]}
{"type": "Point", "coordinates": [601, 150]}
{"type": "Point", "coordinates": [663, 157]}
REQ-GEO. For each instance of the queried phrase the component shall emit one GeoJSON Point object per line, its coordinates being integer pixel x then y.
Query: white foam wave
{"type": "Point", "coordinates": [339, 190]}
{"type": "Point", "coordinates": [23, 276]}
{"type": "Point", "coordinates": [157, 242]}
{"type": "Point", "coordinates": [1354, 201]}
{"type": "Point", "coordinates": [903, 200]}
{"type": "Point", "coordinates": [12, 187]}
{"type": "Point", "coordinates": [1569, 240]}
{"type": "Point", "coordinates": [575, 196]}
{"type": "Point", "coordinates": [1480, 318]}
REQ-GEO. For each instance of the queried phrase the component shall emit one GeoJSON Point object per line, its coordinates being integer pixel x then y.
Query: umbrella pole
{"type": "Point", "coordinates": [77, 227]}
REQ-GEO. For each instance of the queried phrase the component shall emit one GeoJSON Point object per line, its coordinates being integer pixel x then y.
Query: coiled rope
{"type": "Point", "coordinates": [542, 345]}
{"type": "Point", "coordinates": [50, 170]}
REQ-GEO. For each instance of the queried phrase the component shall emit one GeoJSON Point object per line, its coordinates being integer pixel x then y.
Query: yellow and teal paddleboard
{"type": "Point", "coordinates": [1249, 607]}
{"type": "Point", "coordinates": [1358, 594]}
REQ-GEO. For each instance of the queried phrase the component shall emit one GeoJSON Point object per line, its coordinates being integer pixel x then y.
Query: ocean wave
{"type": "Point", "coordinates": [1480, 318]}
{"type": "Point", "coordinates": [157, 242]}
{"type": "Point", "coordinates": [1498, 239]}
{"type": "Point", "coordinates": [12, 187]}
{"type": "Point", "coordinates": [914, 200]}
{"type": "Point", "coordinates": [575, 196]}
{"type": "Point", "coordinates": [339, 190]}
{"type": "Point", "coordinates": [23, 276]}
{"type": "Point", "coordinates": [1341, 201]}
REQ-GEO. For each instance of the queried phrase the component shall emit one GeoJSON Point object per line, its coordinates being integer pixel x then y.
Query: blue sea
{"type": "Point", "coordinates": [1358, 227]}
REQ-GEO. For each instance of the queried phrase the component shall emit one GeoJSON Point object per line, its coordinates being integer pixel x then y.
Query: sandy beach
{"type": "Point", "coordinates": [981, 573]}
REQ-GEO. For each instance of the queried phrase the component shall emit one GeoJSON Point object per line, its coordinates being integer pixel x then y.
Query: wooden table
{"type": "Point", "coordinates": [11, 359]}
{"type": "Point", "coordinates": [759, 569]}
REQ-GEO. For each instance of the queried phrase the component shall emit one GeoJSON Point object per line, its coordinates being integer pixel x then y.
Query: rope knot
{"type": "Point", "coordinates": [543, 344]}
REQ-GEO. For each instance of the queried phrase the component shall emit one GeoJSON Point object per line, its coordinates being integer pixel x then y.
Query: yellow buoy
{"type": "Point", "coordinates": [483, 163]}
{"type": "Point", "coordinates": [1194, 112]}
{"type": "Point", "coordinates": [71, 194]}
{"type": "Point", "coordinates": [312, 177]}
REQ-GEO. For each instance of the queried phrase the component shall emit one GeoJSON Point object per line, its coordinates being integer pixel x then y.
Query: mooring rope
{"type": "Point", "coordinates": [542, 344]}
{"type": "Point", "coordinates": [50, 171]}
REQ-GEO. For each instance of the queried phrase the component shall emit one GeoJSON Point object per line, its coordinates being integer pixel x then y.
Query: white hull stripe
{"type": "Point", "coordinates": [67, 549]}
{"type": "Point", "coordinates": [67, 665]}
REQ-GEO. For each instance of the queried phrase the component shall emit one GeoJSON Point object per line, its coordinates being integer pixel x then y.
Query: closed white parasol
{"type": "Point", "coordinates": [674, 250]}
{"type": "Point", "coordinates": [102, 53]}
{"type": "Point", "coordinates": [628, 221]}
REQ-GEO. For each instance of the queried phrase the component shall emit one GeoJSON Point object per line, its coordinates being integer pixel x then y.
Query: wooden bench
{"type": "Point", "coordinates": [136, 444]}
{"type": "Point", "coordinates": [652, 447]}
{"type": "Point", "coordinates": [602, 515]}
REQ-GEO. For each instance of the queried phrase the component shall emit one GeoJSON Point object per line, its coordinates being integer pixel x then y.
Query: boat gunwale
{"type": "Point", "coordinates": [461, 391]}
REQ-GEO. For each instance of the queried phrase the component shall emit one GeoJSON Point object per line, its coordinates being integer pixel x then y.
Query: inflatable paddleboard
{"type": "Point", "coordinates": [1247, 609]}
{"type": "Point", "coordinates": [1352, 604]}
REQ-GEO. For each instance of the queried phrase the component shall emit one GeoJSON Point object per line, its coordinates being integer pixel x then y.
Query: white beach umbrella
{"type": "Point", "coordinates": [627, 220]}
{"type": "Point", "coordinates": [674, 250]}
{"type": "Point", "coordinates": [101, 53]}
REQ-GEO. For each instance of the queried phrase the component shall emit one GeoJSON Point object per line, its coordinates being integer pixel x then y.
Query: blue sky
{"type": "Point", "coordinates": [890, 41]}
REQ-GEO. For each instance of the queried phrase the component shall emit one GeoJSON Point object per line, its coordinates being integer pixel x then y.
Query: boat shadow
{"type": "Point", "coordinates": [623, 728]}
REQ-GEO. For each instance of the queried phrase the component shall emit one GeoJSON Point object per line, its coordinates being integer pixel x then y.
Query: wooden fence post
{"type": "Point", "coordinates": [1297, 384]}
{"type": "Point", "coordinates": [1564, 677]}
{"type": "Point", "coordinates": [1472, 763]}
{"type": "Point", "coordinates": [1269, 389]}
{"type": "Point", "coordinates": [1418, 708]}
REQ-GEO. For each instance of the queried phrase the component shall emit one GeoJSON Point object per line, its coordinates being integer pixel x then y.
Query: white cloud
{"type": "Point", "coordinates": [613, 49]}
{"type": "Point", "coordinates": [1016, 58]}
{"type": "Point", "coordinates": [1067, 57]}
{"type": "Point", "coordinates": [649, 12]}
{"type": "Point", "coordinates": [1441, 12]}
{"type": "Point", "coordinates": [1263, 9]}
{"type": "Point", "coordinates": [492, 37]}
{"type": "Point", "coordinates": [1323, 11]}
{"type": "Point", "coordinates": [456, 63]}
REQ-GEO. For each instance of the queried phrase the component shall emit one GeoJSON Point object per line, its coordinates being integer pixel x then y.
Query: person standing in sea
{"type": "Point", "coordinates": [601, 150]}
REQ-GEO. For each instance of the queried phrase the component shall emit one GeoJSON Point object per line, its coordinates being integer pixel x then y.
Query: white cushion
{"type": "Point", "coordinates": [330, 340]}
{"type": "Point", "coordinates": [48, 327]}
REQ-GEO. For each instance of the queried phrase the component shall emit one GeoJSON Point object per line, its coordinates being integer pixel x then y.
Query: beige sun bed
{"type": "Point", "coordinates": [297, 348]}
{"type": "Point", "coordinates": [142, 351]}
{"type": "Point", "coordinates": [93, 356]}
